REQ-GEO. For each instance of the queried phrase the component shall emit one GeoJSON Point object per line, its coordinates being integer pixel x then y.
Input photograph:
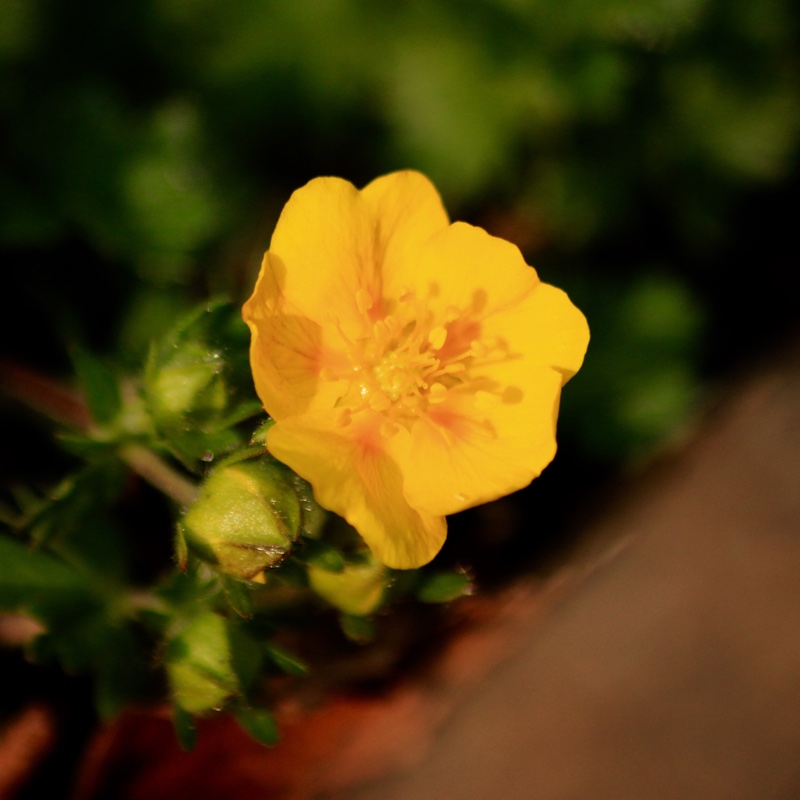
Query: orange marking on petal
{"type": "Point", "coordinates": [364, 301]}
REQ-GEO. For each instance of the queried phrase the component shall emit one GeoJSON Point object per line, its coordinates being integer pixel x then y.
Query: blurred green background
{"type": "Point", "coordinates": [642, 153]}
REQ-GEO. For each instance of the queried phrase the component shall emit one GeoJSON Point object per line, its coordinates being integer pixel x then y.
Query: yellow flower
{"type": "Point", "coordinates": [413, 366]}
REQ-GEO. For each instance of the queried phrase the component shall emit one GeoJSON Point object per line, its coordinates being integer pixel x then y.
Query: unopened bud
{"type": "Point", "coordinates": [246, 518]}
{"type": "Point", "coordinates": [189, 383]}
{"type": "Point", "coordinates": [199, 665]}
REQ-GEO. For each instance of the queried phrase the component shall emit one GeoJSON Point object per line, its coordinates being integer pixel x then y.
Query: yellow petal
{"type": "Point", "coordinates": [463, 270]}
{"type": "Point", "coordinates": [497, 432]}
{"type": "Point", "coordinates": [544, 328]}
{"type": "Point", "coordinates": [323, 253]}
{"type": "Point", "coordinates": [463, 454]}
{"type": "Point", "coordinates": [406, 211]}
{"type": "Point", "coordinates": [287, 351]}
{"type": "Point", "coordinates": [354, 476]}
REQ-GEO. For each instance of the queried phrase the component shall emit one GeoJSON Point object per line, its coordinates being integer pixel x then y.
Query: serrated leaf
{"type": "Point", "coordinates": [99, 385]}
{"type": "Point", "coordinates": [259, 723]}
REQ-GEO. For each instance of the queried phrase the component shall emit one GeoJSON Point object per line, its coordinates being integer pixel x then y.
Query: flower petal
{"type": "Point", "coordinates": [322, 253]}
{"type": "Point", "coordinates": [355, 477]}
{"type": "Point", "coordinates": [497, 432]}
{"type": "Point", "coordinates": [466, 269]}
{"type": "Point", "coordinates": [544, 328]}
{"type": "Point", "coordinates": [287, 350]}
{"type": "Point", "coordinates": [407, 211]}
{"type": "Point", "coordinates": [464, 453]}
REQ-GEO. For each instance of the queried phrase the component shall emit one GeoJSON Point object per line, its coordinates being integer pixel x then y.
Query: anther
{"type": "Point", "coordinates": [437, 393]}
{"type": "Point", "coordinates": [437, 337]}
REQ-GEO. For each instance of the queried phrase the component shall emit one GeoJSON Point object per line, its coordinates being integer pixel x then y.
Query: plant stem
{"type": "Point", "coordinates": [67, 407]}
{"type": "Point", "coordinates": [146, 464]}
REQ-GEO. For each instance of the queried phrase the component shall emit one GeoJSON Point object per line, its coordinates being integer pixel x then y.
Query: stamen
{"type": "Point", "coordinates": [451, 314]}
{"type": "Point", "coordinates": [478, 349]}
{"type": "Point", "coordinates": [437, 393]}
{"type": "Point", "coordinates": [452, 368]}
{"type": "Point", "coordinates": [437, 337]}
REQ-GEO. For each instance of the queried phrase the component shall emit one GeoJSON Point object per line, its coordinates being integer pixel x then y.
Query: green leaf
{"type": "Point", "coordinates": [29, 577]}
{"type": "Point", "coordinates": [285, 661]}
{"type": "Point", "coordinates": [247, 655]}
{"type": "Point", "coordinates": [442, 587]}
{"type": "Point", "coordinates": [77, 498]}
{"type": "Point", "coordinates": [357, 629]}
{"type": "Point", "coordinates": [238, 594]}
{"type": "Point", "coordinates": [181, 548]}
{"type": "Point", "coordinates": [99, 384]}
{"type": "Point", "coordinates": [185, 729]}
{"type": "Point", "coordinates": [86, 447]}
{"type": "Point", "coordinates": [321, 555]}
{"type": "Point", "coordinates": [259, 723]}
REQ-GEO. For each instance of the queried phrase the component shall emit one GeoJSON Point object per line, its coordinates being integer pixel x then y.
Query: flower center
{"type": "Point", "coordinates": [408, 363]}
{"type": "Point", "coordinates": [395, 369]}
{"type": "Point", "coordinates": [396, 375]}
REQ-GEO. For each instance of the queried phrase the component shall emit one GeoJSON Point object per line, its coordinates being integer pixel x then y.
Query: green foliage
{"type": "Point", "coordinates": [197, 383]}
{"type": "Point", "coordinates": [443, 587]}
{"type": "Point", "coordinates": [100, 386]}
{"type": "Point", "coordinates": [35, 582]}
{"type": "Point", "coordinates": [259, 723]}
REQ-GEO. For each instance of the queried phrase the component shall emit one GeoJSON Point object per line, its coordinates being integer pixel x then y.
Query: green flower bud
{"type": "Point", "coordinates": [199, 665]}
{"type": "Point", "coordinates": [358, 589]}
{"type": "Point", "coordinates": [246, 518]}
{"type": "Point", "coordinates": [196, 383]}
{"type": "Point", "coordinates": [189, 382]}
